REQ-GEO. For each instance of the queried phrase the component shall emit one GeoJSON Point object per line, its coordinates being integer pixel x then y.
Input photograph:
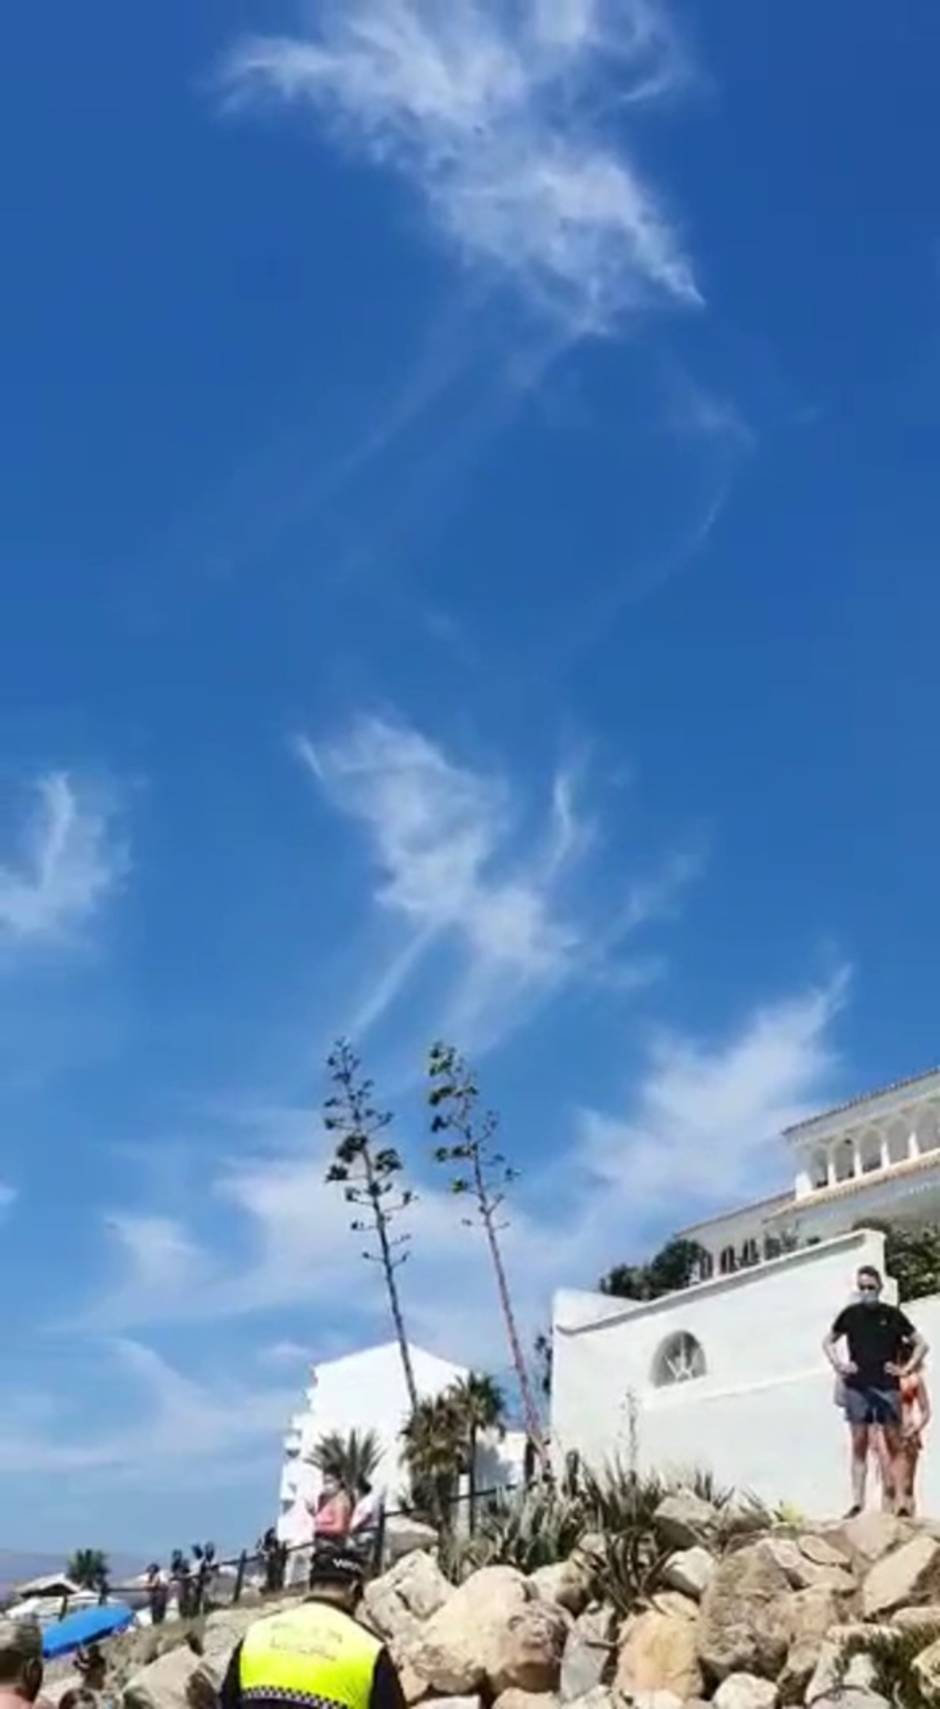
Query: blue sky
{"type": "Point", "coordinates": [468, 541]}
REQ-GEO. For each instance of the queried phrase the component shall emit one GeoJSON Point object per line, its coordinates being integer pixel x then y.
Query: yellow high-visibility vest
{"type": "Point", "coordinates": [312, 1654]}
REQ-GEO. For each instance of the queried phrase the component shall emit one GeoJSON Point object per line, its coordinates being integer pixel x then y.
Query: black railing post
{"type": "Point", "coordinates": [240, 1576]}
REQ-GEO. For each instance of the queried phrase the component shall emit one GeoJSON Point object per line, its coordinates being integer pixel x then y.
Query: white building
{"type": "Point", "coordinates": [877, 1156]}
{"type": "Point", "coordinates": [730, 1373]}
{"type": "Point", "coordinates": [366, 1391]}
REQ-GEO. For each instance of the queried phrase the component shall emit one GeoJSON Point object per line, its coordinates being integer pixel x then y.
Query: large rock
{"type": "Point", "coordinates": [909, 1574]}
{"type": "Point", "coordinates": [869, 1536]}
{"type": "Point", "coordinates": [659, 1654]}
{"type": "Point", "coordinates": [164, 1684]}
{"type": "Point", "coordinates": [683, 1520]}
{"type": "Point", "coordinates": [414, 1589]}
{"type": "Point", "coordinates": [491, 1631]}
{"type": "Point", "coordinates": [804, 1573]}
{"type": "Point", "coordinates": [852, 1698]}
{"type": "Point", "coordinates": [924, 1618]}
{"type": "Point", "coordinates": [811, 1615]}
{"type": "Point", "coordinates": [744, 1621]}
{"type": "Point", "coordinates": [568, 1584]}
{"type": "Point", "coordinates": [927, 1672]}
{"type": "Point", "coordinates": [587, 1653]}
{"type": "Point", "coordinates": [745, 1691]}
{"type": "Point", "coordinates": [656, 1700]}
{"type": "Point", "coordinates": [832, 1672]}
{"type": "Point", "coordinates": [673, 1602]}
{"type": "Point", "coordinates": [528, 1652]}
{"type": "Point", "coordinates": [823, 1552]}
{"type": "Point", "coordinates": [599, 1697]}
{"type": "Point", "coordinates": [403, 1534]}
{"type": "Point", "coordinates": [690, 1571]}
{"type": "Point", "coordinates": [516, 1699]}
{"type": "Point", "coordinates": [457, 1703]}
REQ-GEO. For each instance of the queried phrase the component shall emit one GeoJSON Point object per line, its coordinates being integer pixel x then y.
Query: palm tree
{"type": "Point", "coordinates": [350, 1459]}
{"type": "Point", "coordinates": [434, 1445]}
{"type": "Point", "coordinates": [89, 1568]}
{"type": "Point", "coordinates": [481, 1406]}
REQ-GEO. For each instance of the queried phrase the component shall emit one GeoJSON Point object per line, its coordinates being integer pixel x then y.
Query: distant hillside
{"type": "Point", "coordinates": [19, 1564]}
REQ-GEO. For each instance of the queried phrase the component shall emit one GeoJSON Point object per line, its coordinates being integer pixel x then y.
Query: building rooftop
{"type": "Point", "coordinates": [873, 1178]}
{"type": "Point", "coordinates": [692, 1228]}
{"type": "Point", "coordinates": [862, 1098]}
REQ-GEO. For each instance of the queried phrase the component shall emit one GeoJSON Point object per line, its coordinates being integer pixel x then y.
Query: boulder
{"type": "Point", "coordinates": [587, 1653]}
{"type": "Point", "coordinates": [908, 1574]}
{"type": "Point", "coordinates": [516, 1699]}
{"type": "Point", "coordinates": [568, 1584]}
{"type": "Point", "coordinates": [457, 1703]}
{"type": "Point", "coordinates": [162, 1685]}
{"type": "Point", "coordinates": [869, 1536]}
{"type": "Point", "coordinates": [452, 1652]}
{"type": "Point", "coordinates": [690, 1571]}
{"type": "Point", "coordinates": [403, 1534]}
{"type": "Point", "coordinates": [745, 1691]}
{"type": "Point", "coordinates": [599, 1697]}
{"type": "Point", "coordinates": [527, 1654]}
{"type": "Point", "coordinates": [852, 1698]}
{"type": "Point", "coordinates": [812, 1615]}
{"type": "Point", "coordinates": [926, 1617]}
{"type": "Point", "coordinates": [829, 1674]}
{"type": "Point", "coordinates": [659, 1654]}
{"type": "Point", "coordinates": [745, 1622]}
{"type": "Point", "coordinates": [673, 1602]}
{"type": "Point", "coordinates": [823, 1552]}
{"type": "Point", "coordinates": [683, 1520]}
{"type": "Point", "coordinates": [414, 1589]}
{"type": "Point", "coordinates": [491, 1631]}
{"type": "Point", "coordinates": [804, 1573]}
{"type": "Point", "coordinates": [927, 1672]}
{"type": "Point", "coordinates": [656, 1700]}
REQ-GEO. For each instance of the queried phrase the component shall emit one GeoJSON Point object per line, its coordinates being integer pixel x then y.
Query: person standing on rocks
{"type": "Point", "coordinates": [883, 1347]}
{"type": "Point", "coordinates": [317, 1653]}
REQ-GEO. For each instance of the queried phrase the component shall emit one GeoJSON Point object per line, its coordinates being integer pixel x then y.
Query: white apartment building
{"type": "Point", "coordinates": [876, 1156]}
{"type": "Point", "coordinates": [366, 1391]}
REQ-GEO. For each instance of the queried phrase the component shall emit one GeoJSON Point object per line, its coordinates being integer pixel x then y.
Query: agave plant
{"type": "Point", "coordinates": [893, 1656]}
{"type": "Point", "coordinates": [527, 1529]}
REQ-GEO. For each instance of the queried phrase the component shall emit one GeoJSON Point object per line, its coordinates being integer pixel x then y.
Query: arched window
{"type": "Point", "coordinates": [728, 1260]}
{"type": "Point", "coordinates": [706, 1266]}
{"type": "Point", "coordinates": [679, 1359]}
{"type": "Point", "coordinates": [820, 1169]}
{"type": "Point", "coordinates": [749, 1254]}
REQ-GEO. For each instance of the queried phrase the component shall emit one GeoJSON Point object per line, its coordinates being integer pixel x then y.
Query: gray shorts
{"type": "Point", "coordinates": [872, 1406]}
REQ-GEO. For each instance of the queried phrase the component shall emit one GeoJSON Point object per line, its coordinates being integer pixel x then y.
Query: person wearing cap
{"type": "Point", "coordinates": [316, 1654]}
{"type": "Point", "coordinates": [20, 1663]}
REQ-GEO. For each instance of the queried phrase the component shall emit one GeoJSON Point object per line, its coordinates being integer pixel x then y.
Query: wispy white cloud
{"type": "Point", "coordinates": [70, 861]}
{"type": "Point", "coordinates": [216, 1421]}
{"type": "Point", "coordinates": [8, 1197]}
{"type": "Point", "coordinates": [705, 1120]}
{"type": "Point", "coordinates": [445, 841]}
{"type": "Point", "coordinates": [495, 114]}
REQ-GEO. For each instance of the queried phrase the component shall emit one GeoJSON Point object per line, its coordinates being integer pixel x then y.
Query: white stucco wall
{"type": "Point", "coordinates": [763, 1417]}
{"type": "Point", "coordinates": [366, 1391]}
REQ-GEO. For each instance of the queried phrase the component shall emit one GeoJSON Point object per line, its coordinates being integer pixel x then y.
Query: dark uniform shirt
{"type": "Point", "coordinates": [876, 1335]}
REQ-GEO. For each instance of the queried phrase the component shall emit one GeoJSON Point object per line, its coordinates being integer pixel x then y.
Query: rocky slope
{"type": "Point", "coordinates": [781, 1617]}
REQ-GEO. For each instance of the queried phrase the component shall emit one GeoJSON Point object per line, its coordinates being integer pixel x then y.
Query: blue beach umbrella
{"type": "Point", "coordinates": [85, 1627]}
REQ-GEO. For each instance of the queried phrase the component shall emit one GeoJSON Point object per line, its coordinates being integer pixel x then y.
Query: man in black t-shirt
{"type": "Point", "coordinates": [883, 1346]}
